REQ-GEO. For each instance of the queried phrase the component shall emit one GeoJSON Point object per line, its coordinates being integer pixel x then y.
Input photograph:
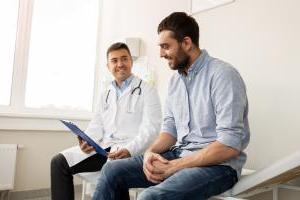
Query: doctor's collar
{"type": "Point", "coordinates": [124, 84]}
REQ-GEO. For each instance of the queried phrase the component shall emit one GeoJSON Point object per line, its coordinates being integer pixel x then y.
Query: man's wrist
{"type": "Point", "coordinates": [176, 165]}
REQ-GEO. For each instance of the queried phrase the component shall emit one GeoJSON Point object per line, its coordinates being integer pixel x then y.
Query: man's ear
{"type": "Point", "coordinates": [187, 44]}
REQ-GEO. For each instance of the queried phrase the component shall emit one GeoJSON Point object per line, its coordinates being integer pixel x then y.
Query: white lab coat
{"type": "Point", "coordinates": [133, 121]}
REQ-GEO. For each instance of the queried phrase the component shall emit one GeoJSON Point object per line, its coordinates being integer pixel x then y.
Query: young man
{"type": "Point", "coordinates": [199, 152]}
{"type": "Point", "coordinates": [127, 121]}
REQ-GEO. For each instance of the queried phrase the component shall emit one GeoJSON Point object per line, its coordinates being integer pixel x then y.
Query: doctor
{"type": "Point", "coordinates": [127, 121]}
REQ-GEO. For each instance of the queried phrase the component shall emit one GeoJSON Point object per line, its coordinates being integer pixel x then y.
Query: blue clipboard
{"type": "Point", "coordinates": [74, 129]}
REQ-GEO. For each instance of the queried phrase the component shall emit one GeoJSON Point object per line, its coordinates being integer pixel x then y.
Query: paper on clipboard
{"type": "Point", "coordinates": [74, 129]}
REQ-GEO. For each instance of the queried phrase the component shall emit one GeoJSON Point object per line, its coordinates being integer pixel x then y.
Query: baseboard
{"type": "Point", "coordinates": [34, 194]}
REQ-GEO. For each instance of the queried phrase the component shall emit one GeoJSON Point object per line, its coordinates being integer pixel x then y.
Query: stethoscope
{"type": "Point", "coordinates": [137, 90]}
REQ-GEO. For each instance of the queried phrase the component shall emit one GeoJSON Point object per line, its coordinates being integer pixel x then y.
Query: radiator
{"type": "Point", "coordinates": [8, 156]}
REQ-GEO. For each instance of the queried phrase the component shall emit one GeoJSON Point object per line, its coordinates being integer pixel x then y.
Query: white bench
{"type": "Point", "coordinates": [270, 178]}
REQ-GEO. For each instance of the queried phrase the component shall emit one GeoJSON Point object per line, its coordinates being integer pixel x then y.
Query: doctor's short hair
{"type": "Point", "coordinates": [182, 25]}
{"type": "Point", "coordinates": [117, 46]}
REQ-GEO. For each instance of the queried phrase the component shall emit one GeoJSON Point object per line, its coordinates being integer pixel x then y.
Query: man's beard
{"type": "Point", "coordinates": [183, 61]}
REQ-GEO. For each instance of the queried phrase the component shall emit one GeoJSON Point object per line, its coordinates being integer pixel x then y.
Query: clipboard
{"type": "Point", "coordinates": [74, 129]}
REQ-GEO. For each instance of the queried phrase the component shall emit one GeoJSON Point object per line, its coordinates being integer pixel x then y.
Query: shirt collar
{"type": "Point", "coordinates": [124, 84]}
{"type": "Point", "coordinates": [199, 62]}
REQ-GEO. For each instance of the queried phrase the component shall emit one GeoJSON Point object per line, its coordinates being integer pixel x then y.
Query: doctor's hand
{"type": "Point", "coordinates": [155, 167]}
{"type": "Point", "coordinates": [84, 146]}
{"type": "Point", "coordinates": [118, 154]}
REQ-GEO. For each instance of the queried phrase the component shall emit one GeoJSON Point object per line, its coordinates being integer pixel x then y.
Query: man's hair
{"type": "Point", "coordinates": [182, 26]}
{"type": "Point", "coordinates": [117, 46]}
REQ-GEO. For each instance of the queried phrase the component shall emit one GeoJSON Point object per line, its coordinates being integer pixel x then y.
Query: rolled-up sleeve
{"type": "Point", "coordinates": [230, 102]}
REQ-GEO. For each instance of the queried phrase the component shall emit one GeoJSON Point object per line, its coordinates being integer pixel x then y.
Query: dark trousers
{"type": "Point", "coordinates": [62, 187]}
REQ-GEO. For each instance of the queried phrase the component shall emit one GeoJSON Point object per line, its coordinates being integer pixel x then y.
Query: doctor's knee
{"type": "Point", "coordinates": [58, 162]}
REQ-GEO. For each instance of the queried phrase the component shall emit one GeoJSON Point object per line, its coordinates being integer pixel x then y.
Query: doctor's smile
{"type": "Point", "coordinates": [120, 65]}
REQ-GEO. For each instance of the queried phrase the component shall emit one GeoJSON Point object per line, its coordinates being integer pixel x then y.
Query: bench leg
{"type": "Point", "coordinates": [83, 189]}
{"type": "Point", "coordinates": [275, 193]}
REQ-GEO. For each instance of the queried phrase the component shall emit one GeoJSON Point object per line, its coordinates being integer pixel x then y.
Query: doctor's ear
{"type": "Point", "coordinates": [109, 68]}
{"type": "Point", "coordinates": [107, 65]}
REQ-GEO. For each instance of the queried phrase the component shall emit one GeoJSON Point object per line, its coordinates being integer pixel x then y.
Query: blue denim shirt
{"type": "Point", "coordinates": [208, 104]}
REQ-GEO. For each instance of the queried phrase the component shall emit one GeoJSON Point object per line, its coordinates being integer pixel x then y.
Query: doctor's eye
{"type": "Point", "coordinates": [125, 59]}
{"type": "Point", "coordinates": [113, 61]}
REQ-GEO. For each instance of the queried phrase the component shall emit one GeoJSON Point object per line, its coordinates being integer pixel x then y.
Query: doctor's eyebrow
{"type": "Point", "coordinates": [116, 58]}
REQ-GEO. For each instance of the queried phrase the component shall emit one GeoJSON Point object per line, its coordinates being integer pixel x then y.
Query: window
{"type": "Point", "coordinates": [52, 69]}
{"type": "Point", "coordinates": [8, 23]}
{"type": "Point", "coordinates": [62, 55]}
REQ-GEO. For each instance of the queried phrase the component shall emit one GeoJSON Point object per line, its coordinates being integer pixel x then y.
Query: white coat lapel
{"type": "Point", "coordinates": [110, 98]}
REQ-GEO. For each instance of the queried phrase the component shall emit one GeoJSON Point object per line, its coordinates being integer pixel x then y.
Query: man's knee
{"type": "Point", "coordinates": [150, 194]}
{"type": "Point", "coordinates": [112, 169]}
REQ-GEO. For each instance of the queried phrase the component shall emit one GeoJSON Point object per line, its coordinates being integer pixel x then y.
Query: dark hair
{"type": "Point", "coordinates": [182, 26]}
{"type": "Point", "coordinates": [117, 46]}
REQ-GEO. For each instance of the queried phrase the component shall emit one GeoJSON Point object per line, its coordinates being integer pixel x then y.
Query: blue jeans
{"type": "Point", "coordinates": [191, 183]}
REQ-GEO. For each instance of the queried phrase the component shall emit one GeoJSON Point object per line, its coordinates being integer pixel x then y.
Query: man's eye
{"type": "Point", "coordinates": [165, 46]}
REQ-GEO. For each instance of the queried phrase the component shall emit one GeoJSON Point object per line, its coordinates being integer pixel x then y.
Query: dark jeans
{"type": "Point", "coordinates": [195, 183]}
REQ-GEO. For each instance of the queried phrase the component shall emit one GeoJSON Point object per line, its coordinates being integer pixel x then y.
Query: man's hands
{"type": "Point", "coordinates": [157, 168]}
{"type": "Point", "coordinates": [118, 154]}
